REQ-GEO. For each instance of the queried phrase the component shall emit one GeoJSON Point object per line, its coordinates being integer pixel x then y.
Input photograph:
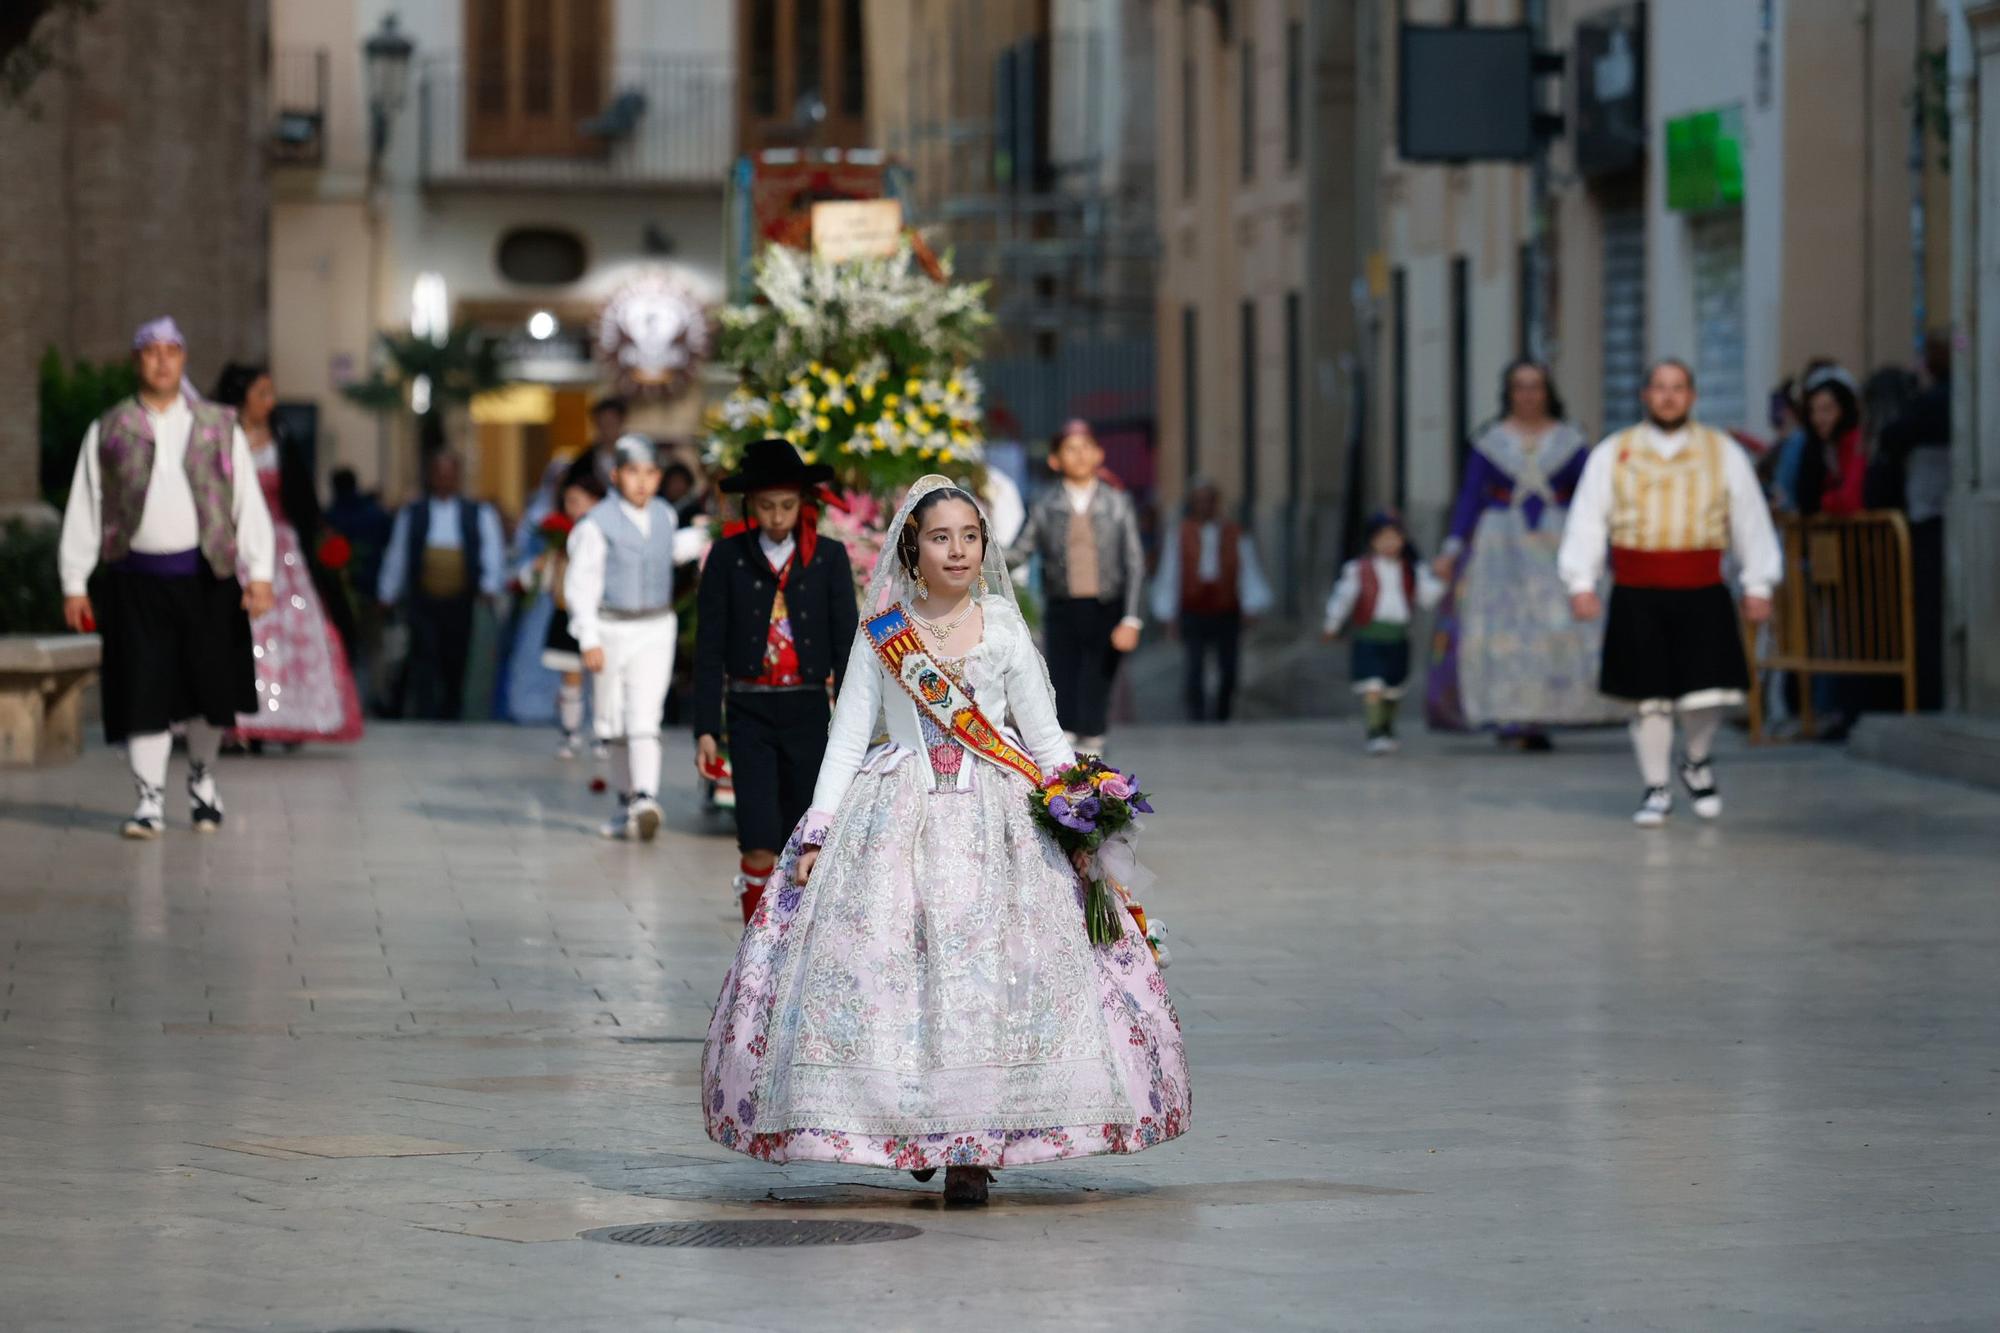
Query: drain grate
{"type": "Point", "coordinates": [753, 1234]}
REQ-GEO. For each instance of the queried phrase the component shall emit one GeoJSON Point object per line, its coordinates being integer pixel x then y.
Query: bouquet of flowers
{"type": "Point", "coordinates": [878, 430]}
{"type": "Point", "coordinates": [858, 521]}
{"type": "Point", "coordinates": [1093, 808]}
{"type": "Point", "coordinates": [335, 552]}
{"type": "Point", "coordinates": [864, 365]}
{"type": "Point", "coordinates": [555, 529]}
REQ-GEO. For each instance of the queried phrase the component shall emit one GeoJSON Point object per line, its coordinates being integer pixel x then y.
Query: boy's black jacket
{"type": "Point", "coordinates": [734, 619]}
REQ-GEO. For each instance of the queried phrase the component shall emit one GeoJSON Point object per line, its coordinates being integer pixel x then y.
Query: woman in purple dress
{"type": "Point", "coordinates": [1513, 658]}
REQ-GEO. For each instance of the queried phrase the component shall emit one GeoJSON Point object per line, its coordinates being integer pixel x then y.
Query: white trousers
{"type": "Point", "coordinates": [631, 692]}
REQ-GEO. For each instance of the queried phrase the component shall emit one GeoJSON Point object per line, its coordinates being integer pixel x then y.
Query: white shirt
{"type": "Point", "coordinates": [1253, 594]}
{"type": "Point", "coordinates": [1391, 606]}
{"type": "Point", "coordinates": [168, 521]}
{"type": "Point", "coordinates": [1587, 533]}
{"type": "Point", "coordinates": [583, 584]}
{"type": "Point", "coordinates": [775, 553]}
{"type": "Point", "coordinates": [1080, 496]}
{"type": "Point", "coordinates": [442, 534]}
{"type": "Point", "coordinates": [1008, 678]}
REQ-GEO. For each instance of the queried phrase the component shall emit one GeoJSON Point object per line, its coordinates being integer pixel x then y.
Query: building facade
{"type": "Point", "coordinates": [1265, 221]}
{"type": "Point", "coordinates": [1023, 134]}
{"type": "Point", "coordinates": [137, 187]}
{"type": "Point", "coordinates": [542, 158]}
{"type": "Point", "coordinates": [1740, 183]}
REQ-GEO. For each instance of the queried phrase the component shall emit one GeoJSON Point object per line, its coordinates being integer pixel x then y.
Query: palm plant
{"type": "Point", "coordinates": [419, 373]}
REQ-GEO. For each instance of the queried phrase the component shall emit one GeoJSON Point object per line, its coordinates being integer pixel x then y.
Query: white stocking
{"type": "Point", "coordinates": [1698, 728]}
{"type": "Point", "coordinates": [1653, 742]}
{"type": "Point", "coordinates": [204, 744]}
{"type": "Point", "coordinates": [643, 755]}
{"type": "Point", "coordinates": [148, 755]}
{"type": "Point", "coordinates": [569, 707]}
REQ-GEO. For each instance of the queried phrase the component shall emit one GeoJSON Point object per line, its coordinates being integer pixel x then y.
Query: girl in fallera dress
{"type": "Point", "coordinates": [580, 492]}
{"type": "Point", "coordinates": [305, 688]}
{"type": "Point", "coordinates": [918, 988]}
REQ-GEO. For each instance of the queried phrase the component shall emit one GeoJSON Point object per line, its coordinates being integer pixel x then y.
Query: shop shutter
{"type": "Point", "coordinates": [1717, 242]}
{"type": "Point", "coordinates": [1624, 316]}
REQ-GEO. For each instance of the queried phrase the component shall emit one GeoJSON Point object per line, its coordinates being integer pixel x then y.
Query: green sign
{"type": "Point", "coordinates": [1705, 161]}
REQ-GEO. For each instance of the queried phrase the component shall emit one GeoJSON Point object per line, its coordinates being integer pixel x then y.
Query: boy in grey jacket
{"type": "Point", "coordinates": [1093, 574]}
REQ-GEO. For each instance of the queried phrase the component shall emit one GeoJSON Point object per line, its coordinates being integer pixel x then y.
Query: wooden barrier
{"type": "Point", "coordinates": [1846, 608]}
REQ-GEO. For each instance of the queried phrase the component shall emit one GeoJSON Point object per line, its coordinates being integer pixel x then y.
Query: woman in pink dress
{"type": "Point", "coordinates": [305, 690]}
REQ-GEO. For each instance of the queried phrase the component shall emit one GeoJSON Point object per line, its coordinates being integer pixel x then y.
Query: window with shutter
{"type": "Point", "coordinates": [537, 71]}
{"type": "Point", "coordinates": [804, 73]}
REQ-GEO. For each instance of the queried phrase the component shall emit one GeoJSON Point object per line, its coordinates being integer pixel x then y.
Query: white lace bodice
{"type": "Point", "coordinates": [1008, 681]}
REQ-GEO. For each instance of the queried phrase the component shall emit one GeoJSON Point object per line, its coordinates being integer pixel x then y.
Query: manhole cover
{"type": "Point", "coordinates": [760, 1232]}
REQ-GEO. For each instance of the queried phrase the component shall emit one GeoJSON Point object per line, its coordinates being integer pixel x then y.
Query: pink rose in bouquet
{"type": "Point", "coordinates": [1118, 786]}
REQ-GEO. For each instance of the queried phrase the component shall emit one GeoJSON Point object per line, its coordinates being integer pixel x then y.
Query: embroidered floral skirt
{"type": "Point", "coordinates": [305, 689]}
{"type": "Point", "coordinates": [931, 997]}
{"type": "Point", "coordinates": [1522, 657]}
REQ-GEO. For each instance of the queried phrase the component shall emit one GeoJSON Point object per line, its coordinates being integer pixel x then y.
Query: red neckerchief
{"type": "Point", "coordinates": [808, 529]}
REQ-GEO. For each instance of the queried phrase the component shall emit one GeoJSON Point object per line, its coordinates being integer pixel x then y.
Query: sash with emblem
{"type": "Point", "coordinates": [943, 700]}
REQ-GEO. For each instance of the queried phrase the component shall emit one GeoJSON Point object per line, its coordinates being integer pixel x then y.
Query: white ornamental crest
{"type": "Point", "coordinates": [654, 330]}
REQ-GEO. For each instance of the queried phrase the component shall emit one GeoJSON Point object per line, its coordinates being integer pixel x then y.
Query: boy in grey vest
{"type": "Point", "coordinates": [620, 590]}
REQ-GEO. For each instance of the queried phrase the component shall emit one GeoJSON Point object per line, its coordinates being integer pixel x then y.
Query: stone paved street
{"type": "Point", "coordinates": [1468, 1052]}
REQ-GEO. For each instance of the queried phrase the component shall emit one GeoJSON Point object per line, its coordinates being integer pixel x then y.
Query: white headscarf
{"type": "Point", "coordinates": [890, 583]}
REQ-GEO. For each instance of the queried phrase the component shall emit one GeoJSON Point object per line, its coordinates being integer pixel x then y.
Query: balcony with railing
{"type": "Point", "coordinates": [660, 122]}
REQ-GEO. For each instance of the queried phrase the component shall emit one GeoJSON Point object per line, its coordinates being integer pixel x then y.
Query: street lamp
{"type": "Point", "coordinates": [386, 69]}
{"type": "Point", "coordinates": [385, 73]}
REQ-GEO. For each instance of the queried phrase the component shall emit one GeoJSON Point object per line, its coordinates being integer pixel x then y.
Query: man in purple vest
{"type": "Point", "coordinates": [164, 504]}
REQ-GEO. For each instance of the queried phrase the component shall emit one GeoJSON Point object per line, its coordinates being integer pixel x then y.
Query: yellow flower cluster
{"type": "Point", "coordinates": [859, 413]}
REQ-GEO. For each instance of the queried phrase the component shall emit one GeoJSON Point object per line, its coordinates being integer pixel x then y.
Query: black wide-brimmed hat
{"type": "Point", "coordinates": [770, 465]}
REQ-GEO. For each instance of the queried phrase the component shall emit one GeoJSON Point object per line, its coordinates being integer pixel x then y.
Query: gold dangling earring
{"type": "Point", "coordinates": [984, 591]}
{"type": "Point", "coordinates": [923, 589]}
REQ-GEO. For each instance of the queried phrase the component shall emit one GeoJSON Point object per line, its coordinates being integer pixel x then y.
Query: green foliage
{"type": "Point", "coordinates": [1930, 101]}
{"type": "Point", "coordinates": [70, 400]}
{"type": "Point", "coordinates": [30, 596]}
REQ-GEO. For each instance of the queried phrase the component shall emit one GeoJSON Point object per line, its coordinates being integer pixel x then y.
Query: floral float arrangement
{"type": "Point", "coordinates": [864, 365]}
{"type": "Point", "coordinates": [1093, 808]}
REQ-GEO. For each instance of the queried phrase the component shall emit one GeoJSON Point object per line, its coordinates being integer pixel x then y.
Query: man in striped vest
{"type": "Point", "coordinates": [1667, 500]}
{"type": "Point", "coordinates": [163, 512]}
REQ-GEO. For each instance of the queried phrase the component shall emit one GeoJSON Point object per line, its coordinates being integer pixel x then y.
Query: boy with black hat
{"type": "Point", "coordinates": [620, 591]}
{"type": "Point", "coordinates": [777, 618]}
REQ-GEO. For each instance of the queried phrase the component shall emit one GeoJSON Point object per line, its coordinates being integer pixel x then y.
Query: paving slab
{"type": "Point", "coordinates": [1468, 1052]}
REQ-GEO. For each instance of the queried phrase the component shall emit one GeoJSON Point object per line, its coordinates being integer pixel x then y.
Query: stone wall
{"type": "Point", "coordinates": [136, 186]}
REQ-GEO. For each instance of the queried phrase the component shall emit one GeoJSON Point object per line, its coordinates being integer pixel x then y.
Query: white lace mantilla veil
{"type": "Point", "coordinates": [889, 583]}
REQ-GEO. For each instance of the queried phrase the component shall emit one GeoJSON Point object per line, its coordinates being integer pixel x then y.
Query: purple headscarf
{"type": "Point", "coordinates": [161, 330]}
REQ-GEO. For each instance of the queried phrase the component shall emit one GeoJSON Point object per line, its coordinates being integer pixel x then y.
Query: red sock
{"type": "Point", "coordinates": [751, 884]}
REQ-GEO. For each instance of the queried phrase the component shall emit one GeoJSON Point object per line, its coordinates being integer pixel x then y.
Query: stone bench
{"type": "Point", "coordinates": [42, 683]}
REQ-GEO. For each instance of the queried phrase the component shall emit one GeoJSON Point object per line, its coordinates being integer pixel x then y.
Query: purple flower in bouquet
{"type": "Point", "coordinates": [1080, 815]}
